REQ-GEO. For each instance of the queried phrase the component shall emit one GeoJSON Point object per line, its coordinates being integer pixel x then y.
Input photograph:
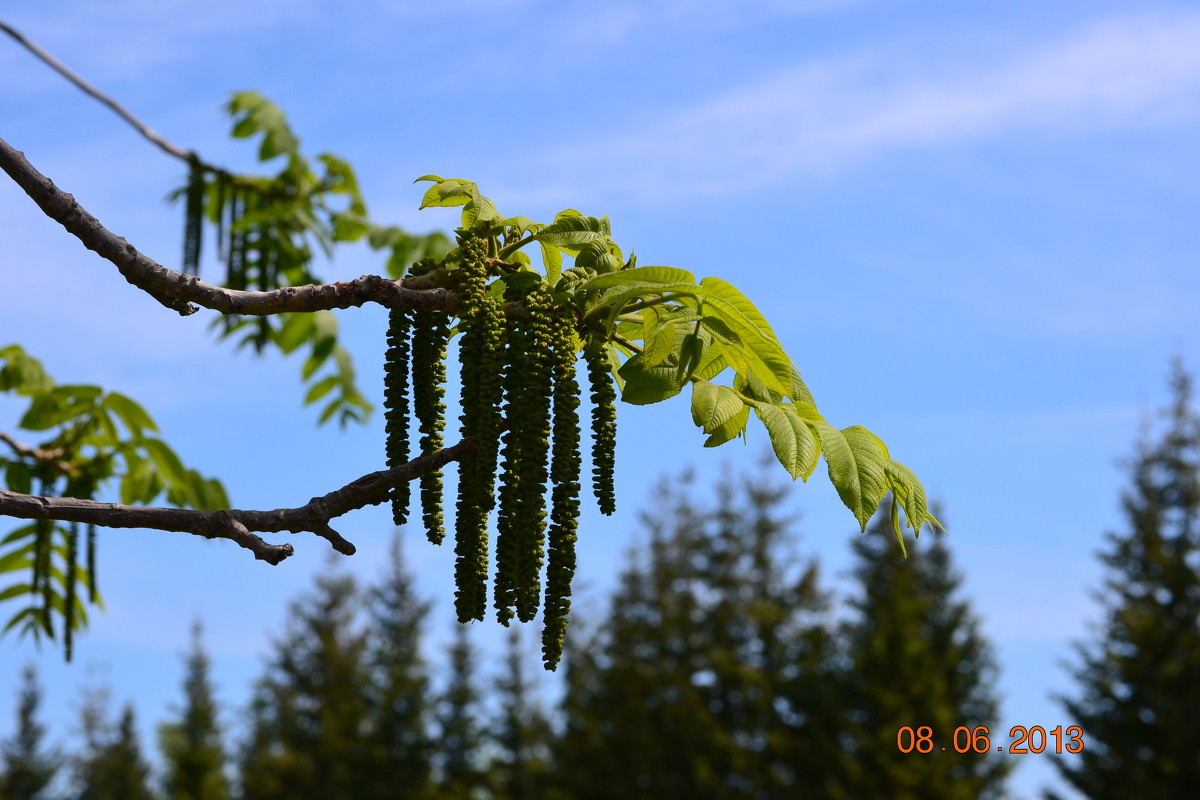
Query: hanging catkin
{"type": "Point", "coordinates": [395, 402]}
{"type": "Point", "coordinates": [430, 335]}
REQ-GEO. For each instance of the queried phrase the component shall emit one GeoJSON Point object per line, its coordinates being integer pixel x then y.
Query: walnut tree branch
{"type": "Point", "coordinates": [177, 290]}
{"type": "Point", "coordinates": [238, 524]}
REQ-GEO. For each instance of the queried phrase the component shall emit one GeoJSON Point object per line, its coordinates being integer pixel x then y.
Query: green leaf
{"type": "Point", "coordinates": [18, 558]}
{"type": "Point", "coordinates": [167, 462]}
{"type": "Point", "coordinates": [649, 275]}
{"type": "Point", "coordinates": [22, 373]}
{"type": "Point", "coordinates": [909, 492]}
{"type": "Point", "coordinates": [645, 385]}
{"type": "Point", "coordinates": [730, 429]}
{"type": "Point", "coordinates": [321, 388]}
{"type": "Point", "coordinates": [746, 351]}
{"type": "Point", "coordinates": [552, 260]}
{"type": "Point", "coordinates": [59, 405]}
{"type": "Point", "coordinates": [136, 485]}
{"type": "Point", "coordinates": [19, 477]}
{"type": "Point", "coordinates": [253, 114]}
{"type": "Point", "coordinates": [479, 209]}
{"type": "Point", "coordinates": [572, 232]}
{"type": "Point", "coordinates": [294, 330]}
{"type": "Point", "coordinates": [661, 344]}
{"type": "Point", "coordinates": [17, 589]}
{"type": "Point", "coordinates": [856, 467]}
{"type": "Point", "coordinates": [758, 340]}
{"type": "Point", "coordinates": [713, 405]}
{"type": "Point", "coordinates": [448, 193]}
{"type": "Point", "coordinates": [132, 415]}
{"type": "Point", "coordinates": [793, 442]}
{"type": "Point", "coordinates": [612, 303]}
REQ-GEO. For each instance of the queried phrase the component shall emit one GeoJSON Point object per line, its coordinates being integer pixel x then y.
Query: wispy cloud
{"type": "Point", "coordinates": [820, 116]}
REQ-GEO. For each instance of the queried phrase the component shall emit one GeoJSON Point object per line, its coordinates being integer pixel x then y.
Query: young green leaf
{"type": "Point", "coordinates": [792, 440]}
{"type": "Point", "coordinates": [856, 467]}
{"type": "Point", "coordinates": [714, 405]}
{"type": "Point", "coordinates": [649, 275]}
{"type": "Point", "coordinates": [731, 428]}
{"type": "Point", "coordinates": [132, 415]}
{"type": "Point", "coordinates": [645, 385]}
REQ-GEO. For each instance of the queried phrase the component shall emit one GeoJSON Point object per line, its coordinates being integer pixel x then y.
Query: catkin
{"type": "Point", "coordinates": [69, 602]}
{"type": "Point", "coordinates": [193, 216]}
{"type": "Point", "coordinates": [395, 402]}
{"type": "Point", "coordinates": [430, 334]}
{"type": "Point", "coordinates": [480, 354]}
{"type": "Point", "coordinates": [565, 465]}
{"type": "Point", "coordinates": [534, 424]}
{"type": "Point", "coordinates": [604, 428]}
{"type": "Point", "coordinates": [512, 479]}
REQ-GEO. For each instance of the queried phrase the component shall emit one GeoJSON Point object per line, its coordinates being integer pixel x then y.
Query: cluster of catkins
{"type": "Point", "coordinates": [257, 254]}
{"type": "Point", "coordinates": [520, 401]}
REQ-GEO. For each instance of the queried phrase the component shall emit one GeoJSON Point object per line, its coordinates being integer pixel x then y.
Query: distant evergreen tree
{"type": "Point", "coordinates": [521, 734]}
{"type": "Point", "coordinates": [112, 766]}
{"type": "Point", "coordinates": [191, 746]}
{"type": "Point", "coordinates": [28, 767]}
{"type": "Point", "coordinates": [400, 746]}
{"type": "Point", "coordinates": [692, 686]}
{"type": "Point", "coordinates": [1139, 683]}
{"type": "Point", "coordinates": [460, 735]}
{"type": "Point", "coordinates": [309, 714]}
{"type": "Point", "coordinates": [915, 657]}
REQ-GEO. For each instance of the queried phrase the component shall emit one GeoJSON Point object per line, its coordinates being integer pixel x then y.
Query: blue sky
{"type": "Point", "coordinates": [971, 225]}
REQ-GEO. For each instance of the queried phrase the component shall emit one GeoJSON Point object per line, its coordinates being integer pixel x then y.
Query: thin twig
{"type": "Point", "coordinates": [52, 457]}
{"type": "Point", "coordinates": [63, 70]}
{"type": "Point", "coordinates": [237, 524]}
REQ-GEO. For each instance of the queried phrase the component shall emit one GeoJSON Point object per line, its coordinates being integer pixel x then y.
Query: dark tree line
{"type": "Point", "coordinates": [717, 671]}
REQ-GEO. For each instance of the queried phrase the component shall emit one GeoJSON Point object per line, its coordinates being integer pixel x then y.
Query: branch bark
{"type": "Point", "coordinates": [238, 525]}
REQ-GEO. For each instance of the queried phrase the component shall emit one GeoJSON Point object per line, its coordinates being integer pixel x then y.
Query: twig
{"type": "Point", "coordinates": [237, 524]}
{"type": "Point", "coordinates": [63, 70]}
{"type": "Point", "coordinates": [52, 456]}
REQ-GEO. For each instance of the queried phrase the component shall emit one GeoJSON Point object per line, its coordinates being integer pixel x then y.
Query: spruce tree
{"type": "Point", "coordinates": [309, 714]}
{"type": "Point", "coordinates": [1139, 682]}
{"type": "Point", "coordinates": [191, 746]}
{"type": "Point", "coordinates": [29, 768]}
{"type": "Point", "coordinates": [400, 748]}
{"type": "Point", "coordinates": [915, 657]}
{"type": "Point", "coordinates": [112, 766]}
{"type": "Point", "coordinates": [460, 735]}
{"type": "Point", "coordinates": [691, 687]}
{"type": "Point", "coordinates": [521, 734]}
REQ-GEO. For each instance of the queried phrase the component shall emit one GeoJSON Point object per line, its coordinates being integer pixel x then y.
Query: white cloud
{"type": "Point", "coordinates": [823, 115]}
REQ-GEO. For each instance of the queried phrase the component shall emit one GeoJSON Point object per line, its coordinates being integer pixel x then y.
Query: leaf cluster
{"type": "Point", "coordinates": [660, 329]}
{"type": "Point", "coordinates": [268, 230]}
{"type": "Point", "coordinates": [93, 443]}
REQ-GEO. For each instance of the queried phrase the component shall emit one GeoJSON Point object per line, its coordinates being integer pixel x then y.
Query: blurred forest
{"type": "Point", "coordinates": [720, 669]}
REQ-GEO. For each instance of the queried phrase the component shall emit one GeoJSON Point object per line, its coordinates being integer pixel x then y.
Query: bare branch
{"type": "Point", "coordinates": [237, 524]}
{"type": "Point", "coordinates": [52, 457]}
{"type": "Point", "coordinates": [62, 69]}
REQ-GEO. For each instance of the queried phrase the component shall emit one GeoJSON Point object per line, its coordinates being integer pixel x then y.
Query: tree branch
{"type": "Point", "coordinates": [237, 524]}
{"type": "Point", "coordinates": [52, 457]}
{"type": "Point", "coordinates": [176, 290]}
{"type": "Point", "coordinates": [63, 70]}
